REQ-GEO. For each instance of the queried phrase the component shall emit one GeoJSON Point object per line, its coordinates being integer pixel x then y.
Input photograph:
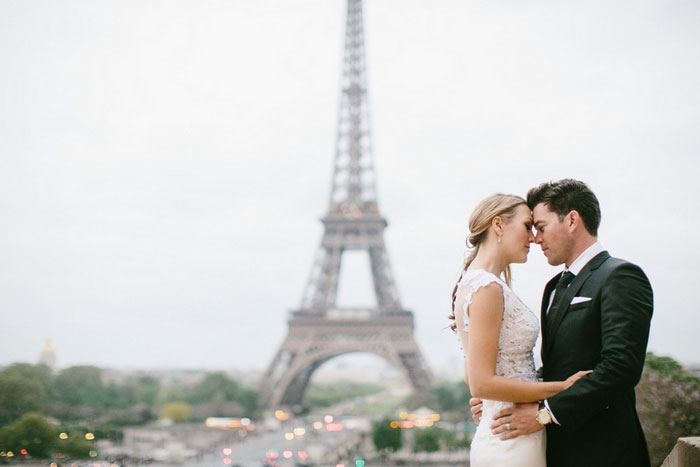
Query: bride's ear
{"type": "Point", "coordinates": [497, 224]}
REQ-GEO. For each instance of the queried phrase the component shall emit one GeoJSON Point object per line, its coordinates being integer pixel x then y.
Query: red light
{"type": "Point", "coordinates": [302, 455]}
{"type": "Point", "coordinates": [287, 454]}
{"type": "Point", "coordinates": [23, 452]}
{"type": "Point", "coordinates": [334, 427]}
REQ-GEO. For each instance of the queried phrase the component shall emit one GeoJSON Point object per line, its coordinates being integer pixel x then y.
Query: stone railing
{"type": "Point", "coordinates": [686, 453]}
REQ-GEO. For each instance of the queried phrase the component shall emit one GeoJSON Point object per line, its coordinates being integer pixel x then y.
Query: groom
{"type": "Point", "coordinates": [595, 315]}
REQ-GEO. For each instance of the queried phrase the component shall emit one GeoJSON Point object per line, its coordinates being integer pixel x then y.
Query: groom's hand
{"type": "Point", "coordinates": [476, 406]}
{"type": "Point", "coordinates": [515, 421]}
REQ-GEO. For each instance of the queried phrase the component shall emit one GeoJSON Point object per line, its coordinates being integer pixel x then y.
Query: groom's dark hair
{"type": "Point", "coordinates": [565, 196]}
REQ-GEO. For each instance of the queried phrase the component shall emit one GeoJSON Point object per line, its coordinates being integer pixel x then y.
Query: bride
{"type": "Point", "coordinates": [497, 331]}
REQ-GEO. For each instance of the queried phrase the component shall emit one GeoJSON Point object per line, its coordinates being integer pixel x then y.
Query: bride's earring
{"type": "Point", "coordinates": [500, 236]}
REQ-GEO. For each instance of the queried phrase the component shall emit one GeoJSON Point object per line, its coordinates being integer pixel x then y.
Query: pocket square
{"type": "Point", "coordinates": [580, 300]}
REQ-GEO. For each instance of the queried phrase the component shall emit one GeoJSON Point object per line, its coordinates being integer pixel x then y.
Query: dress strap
{"type": "Point", "coordinates": [472, 281]}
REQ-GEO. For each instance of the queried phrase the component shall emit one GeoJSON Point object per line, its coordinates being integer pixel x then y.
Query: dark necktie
{"type": "Point", "coordinates": [560, 290]}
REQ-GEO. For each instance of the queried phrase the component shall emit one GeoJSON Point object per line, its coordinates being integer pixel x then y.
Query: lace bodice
{"type": "Point", "coordinates": [519, 331]}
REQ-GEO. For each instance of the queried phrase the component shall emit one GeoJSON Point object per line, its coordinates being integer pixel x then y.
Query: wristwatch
{"type": "Point", "coordinates": [543, 416]}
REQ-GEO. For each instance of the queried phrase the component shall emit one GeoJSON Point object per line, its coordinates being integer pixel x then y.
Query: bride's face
{"type": "Point", "coordinates": [517, 235]}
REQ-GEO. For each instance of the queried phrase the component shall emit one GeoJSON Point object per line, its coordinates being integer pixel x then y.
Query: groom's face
{"type": "Point", "coordinates": [552, 235]}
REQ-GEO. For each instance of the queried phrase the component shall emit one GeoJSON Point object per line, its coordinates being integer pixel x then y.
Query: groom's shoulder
{"type": "Point", "coordinates": [614, 265]}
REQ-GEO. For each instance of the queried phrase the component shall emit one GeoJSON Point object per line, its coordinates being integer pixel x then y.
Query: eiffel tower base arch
{"type": "Point", "coordinates": [311, 341]}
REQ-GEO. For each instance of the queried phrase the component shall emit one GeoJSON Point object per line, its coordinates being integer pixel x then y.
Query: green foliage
{"type": "Point", "coordinates": [80, 393]}
{"type": "Point", "coordinates": [76, 446]}
{"type": "Point", "coordinates": [31, 432]}
{"type": "Point", "coordinates": [211, 386]}
{"type": "Point", "coordinates": [81, 385]}
{"type": "Point", "coordinates": [147, 389]}
{"type": "Point", "coordinates": [177, 411]}
{"type": "Point", "coordinates": [39, 373]}
{"type": "Point", "coordinates": [446, 397]}
{"type": "Point", "coordinates": [669, 367]}
{"type": "Point", "coordinates": [452, 442]}
{"type": "Point", "coordinates": [249, 400]}
{"type": "Point", "coordinates": [433, 438]}
{"type": "Point", "coordinates": [320, 396]}
{"type": "Point", "coordinates": [426, 440]}
{"type": "Point", "coordinates": [217, 387]}
{"type": "Point", "coordinates": [386, 438]}
{"type": "Point", "coordinates": [18, 396]}
{"type": "Point", "coordinates": [668, 403]}
{"type": "Point", "coordinates": [174, 394]}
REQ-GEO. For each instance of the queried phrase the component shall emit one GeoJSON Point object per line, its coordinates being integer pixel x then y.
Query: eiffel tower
{"type": "Point", "coordinates": [319, 330]}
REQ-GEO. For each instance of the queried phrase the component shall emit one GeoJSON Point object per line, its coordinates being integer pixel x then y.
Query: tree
{"type": "Point", "coordinates": [218, 386]}
{"type": "Point", "coordinates": [385, 437]}
{"type": "Point", "coordinates": [18, 396]}
{"type": "Point", "coordinates": [211, 385]}
{"type": "Point", "coordinates": [81, 385]}
{"type": "Point", "coordinates": [668, 404]}
{"type": "Point", "coordinates": [147, 389]}
{"type": "Point", "coordinates": [176, 411]}
{"type": "Point", "coordinates": [446, 397]}
{"type": "Point", "coordinates": [31, 432]}
{"type": "Point", "coordinates": [426, 440]}
{"type": "Point", "coordinates": [76, 446]}
{"type": "Point", "coordinates": [39, 373]}
{"type": "Point", "coordinates": [174, 394]}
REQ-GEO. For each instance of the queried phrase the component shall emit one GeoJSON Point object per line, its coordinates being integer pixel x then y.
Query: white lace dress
{"type": "Point", "coordinates": [519, 331]}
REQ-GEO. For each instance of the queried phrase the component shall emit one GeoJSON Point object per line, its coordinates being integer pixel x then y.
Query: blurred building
{"type": "Point", "coordinates": [47, 356]}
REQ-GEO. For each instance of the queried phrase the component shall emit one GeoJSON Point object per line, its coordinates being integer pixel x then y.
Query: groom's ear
{"type": "Point", "coordinates": [573, 221]}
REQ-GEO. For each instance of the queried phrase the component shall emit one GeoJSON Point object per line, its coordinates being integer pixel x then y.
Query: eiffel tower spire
{"type": "Point", "coordinates": [319, 330]}
{"type": "Point", "coordinates": [353, 174]}
{"type": "Point", "coordinates": [353, 221]}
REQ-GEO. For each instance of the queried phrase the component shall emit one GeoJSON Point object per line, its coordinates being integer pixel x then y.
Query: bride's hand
{"type": "Point", "coordinates": [575, 377]}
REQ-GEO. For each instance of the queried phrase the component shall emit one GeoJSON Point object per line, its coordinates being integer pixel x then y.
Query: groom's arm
{"type": "Point", "coordinates": [626, 309]}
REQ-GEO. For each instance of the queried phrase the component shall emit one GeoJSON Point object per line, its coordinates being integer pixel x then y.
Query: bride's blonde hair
{"type": "Point", "coordinates": [498, 205]}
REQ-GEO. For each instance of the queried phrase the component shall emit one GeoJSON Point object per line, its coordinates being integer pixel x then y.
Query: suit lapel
{"type": "Point", "coordinates": [559, 313]}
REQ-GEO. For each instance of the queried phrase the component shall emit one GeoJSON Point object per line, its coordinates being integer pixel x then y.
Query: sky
{"type": "Point", "coordinates": [164, 164]}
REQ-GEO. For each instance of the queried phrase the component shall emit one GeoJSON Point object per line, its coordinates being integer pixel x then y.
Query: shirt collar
{"type": "Point", "coordinates": [583, 259]}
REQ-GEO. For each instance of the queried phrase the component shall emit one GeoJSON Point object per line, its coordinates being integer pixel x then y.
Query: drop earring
{"type": "Point", "coordinates": [500, 236]}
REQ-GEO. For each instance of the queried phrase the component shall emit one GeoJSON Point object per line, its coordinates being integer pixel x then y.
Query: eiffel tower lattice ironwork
{"type": "Point", "coordinates": [319, 330]}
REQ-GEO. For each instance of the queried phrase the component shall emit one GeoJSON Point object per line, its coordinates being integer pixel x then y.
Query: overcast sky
{"type": "Point", "coordinates": [164, 164]}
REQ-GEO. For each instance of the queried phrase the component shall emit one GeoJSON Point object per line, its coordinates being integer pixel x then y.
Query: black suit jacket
{"type": "Point", "coordinates": [608, 334]}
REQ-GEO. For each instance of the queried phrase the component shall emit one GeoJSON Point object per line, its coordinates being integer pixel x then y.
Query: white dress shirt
{"type": "Point", "coordinates": [575, 268]}
{"type": "Point", "coordinates": [579, 263]}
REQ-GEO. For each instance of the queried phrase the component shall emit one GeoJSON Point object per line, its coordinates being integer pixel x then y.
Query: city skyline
{"type": "Point", "coordinates": [164, 165]}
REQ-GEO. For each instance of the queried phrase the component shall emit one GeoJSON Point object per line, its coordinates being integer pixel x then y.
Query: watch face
{"type": "Point", "coordinates": [543, 417]}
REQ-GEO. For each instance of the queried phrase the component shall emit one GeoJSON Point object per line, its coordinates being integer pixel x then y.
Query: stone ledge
{"type": "Point", "coordinates": [685, 453]}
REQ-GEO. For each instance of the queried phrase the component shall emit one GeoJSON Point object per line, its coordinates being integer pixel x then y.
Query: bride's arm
{"type": "Point", "coordinates": [485, 317]}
